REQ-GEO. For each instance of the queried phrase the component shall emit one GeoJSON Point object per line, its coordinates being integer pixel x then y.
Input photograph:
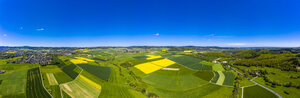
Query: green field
{"type": "Point", "coordinates": [229, 78]}
{"type": "Point", "coordinates": [215, 79]}
{"type": "Point", "coordinates": [62, 77]}
{"type": "Point", "coordinates": [99, 71]}
{"type": "Point", "coordinates": [35, 88]}
{"type": "Point", "coordinates": [218, 67]}
{"type": "Point", "coordinates": [69, 70]}
{"type": "Point", "coordinates": [51, 79]}
{"type": "Point", "coordinates": [14, 80]}
{"type": "Point", "coordinates": [292, 92]}
{"type": "Point", "coordinates": [58, 74]}
{"type": "Point", "coordinates": [13, 84]}
{"type": "Point", "coordinates": [221, 78]}
{"type": "Point", "coordinates": [110, 90]}
{"type": "Point", "coordinates": [257, 92]}
{"type": "Point", "coordinates": [205, 75]}
{"type": "Point", "coordinates": [190, 62]}
{"type": "Point", "coordinates": [79, 88]}
{"type": "Point", "coordinates": [206, 90]}
{"type": "Point", "coordinates": [167, 79]}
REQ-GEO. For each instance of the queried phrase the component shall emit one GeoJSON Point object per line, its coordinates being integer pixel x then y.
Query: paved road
{"type": "Point", "coordinates": [256, 82]}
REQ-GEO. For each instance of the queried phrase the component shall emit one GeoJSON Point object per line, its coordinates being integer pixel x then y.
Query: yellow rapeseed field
{"type": "Point", "coordinates": [90, 82]}
{"type": "Point", "coordinates": [12, 52]}
{"type": "Point", "coordinates": [154, 65]}
{"type": "Point", "coordinates": [80, 60]}
{"type": "Point", "coordinates": [188, 51]}
{"type": "Point", "coordinates": [163, 62]}
{"type": "Point", "coordinates": [84, 50]}
{"type": "Point", "coordinates": [147, 67]}
{"type": "Point", "coordinates": [152, 57]}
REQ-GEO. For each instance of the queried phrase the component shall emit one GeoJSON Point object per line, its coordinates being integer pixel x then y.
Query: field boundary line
{"type": "Point", "coordinates": [221, 85]}
{"type": "Point", "coordinates": [61, 94]}
{"type": "Point", "coordinates": [70, 81]}
{"type": "Point", "coordinates": [213, 77]}
{"type": "Point", "coordinates": [43, 82]}
{"type": "Point", "coordinates": [242, 92]}
{"type": "Point", "coordinates": [249, 85]}
{"type": "Point", "coordinates": [254, 78]}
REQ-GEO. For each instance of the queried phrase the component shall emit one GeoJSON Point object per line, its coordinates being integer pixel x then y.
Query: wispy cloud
{"type": "Point", "coordinates": [4, 35]}
{"type": "Point", "coordinates": [40, 29]}
{"type": "Point", "coordinates": [236, 44]}
{"type": "Point", "coordinates": [216, 36]}
{"type": "Point", "coordinates": [157, 34]}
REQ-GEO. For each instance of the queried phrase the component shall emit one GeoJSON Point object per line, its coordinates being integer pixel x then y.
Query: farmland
{"type": "Point", "coordinates": [257, 92]}
{"type": "Point", "coordinates": [35, 87]}
{"type": "Point", "coordinates": [99, 71]}
{"type": "Point", "coordinates": [80, 87]}
{"type": "Point", "coordinates": [152, 73]}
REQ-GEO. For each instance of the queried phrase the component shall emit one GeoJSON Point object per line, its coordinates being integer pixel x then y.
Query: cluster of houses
{"type": "Point", "coordinates": [41, 59]}
{"type": "Point", "coordinates": [137, 50]}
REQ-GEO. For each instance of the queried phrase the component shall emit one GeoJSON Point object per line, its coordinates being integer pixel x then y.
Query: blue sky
{"type": "Point", "coordinates": [238, 23]}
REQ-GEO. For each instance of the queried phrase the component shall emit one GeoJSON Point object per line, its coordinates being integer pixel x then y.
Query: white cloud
{"type": "Point", "coordinates": [40, 29]}
{"type": "Point", "coordinates": [157, 34]}
{"type": "Point", "coordinates": [4, 35]}
{"type": "Point", "coordinates": [236, 44]}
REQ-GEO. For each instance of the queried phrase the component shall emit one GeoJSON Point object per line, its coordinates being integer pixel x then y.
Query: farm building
{"type": "Point", "coordinates": [2, 71]}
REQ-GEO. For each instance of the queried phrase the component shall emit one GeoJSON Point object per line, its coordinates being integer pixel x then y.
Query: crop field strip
{"type": "Point", "coordinates": [191, 62]}
{"type": "Point", "coordinates": [35, 87]}
{"type": "Point", "coordinates": [221, 78]}
{"type": "Point", "coordinates": [13, 84]}
{"type": "Point", "coordinates": [205, 75]}
{"type": "Point", "coordinates": [69, 70]}
{"type": "Point", "coordinates": [81, 87]}
{"type": "Point", "coordinates": [229, 78]}
{"type": "Point", "coordinates": [257, 92]}
{"type": "Point", "coordinates": [215, 79]}
{"type": "Point", "coordinates": [154, 65]}
{"type": "Point", "coordinates": [99, 71]}
{"type": "Point", "coordinates": [51, 79]}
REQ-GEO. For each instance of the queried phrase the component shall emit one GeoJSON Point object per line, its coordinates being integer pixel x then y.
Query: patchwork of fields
{"type": "Point", "coordinates": [167, 75]}
{"type": "Point", "coordinates": [150, 67]}
{"type": "Point", "coordinates": [35, 88]}
{"type": "Point", "coordinates": [223, 78]}
{"type": "Point", "coordinates": [257, 92]}
{"type": "Point", "coordinates": [81, 87]}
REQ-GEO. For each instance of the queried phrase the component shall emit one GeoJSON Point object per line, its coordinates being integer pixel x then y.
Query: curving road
{"type": "Point", "coordinates": [256, 82]}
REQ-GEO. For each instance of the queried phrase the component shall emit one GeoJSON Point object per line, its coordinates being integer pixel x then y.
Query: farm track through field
{"type": "Point", "coordinates": [256, 83]}
{"type": "Point", "coordinates": [35, 87]}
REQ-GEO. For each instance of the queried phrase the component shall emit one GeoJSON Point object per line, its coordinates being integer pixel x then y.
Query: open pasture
{"type": "Point", "coordinates": [13, 84]}
{"type": "Point", "coordinates": [174, 80]}
{"type": "Point", "coordinates": [111, 90]}
{"type": "Point", "coordinates": [202, 91]}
